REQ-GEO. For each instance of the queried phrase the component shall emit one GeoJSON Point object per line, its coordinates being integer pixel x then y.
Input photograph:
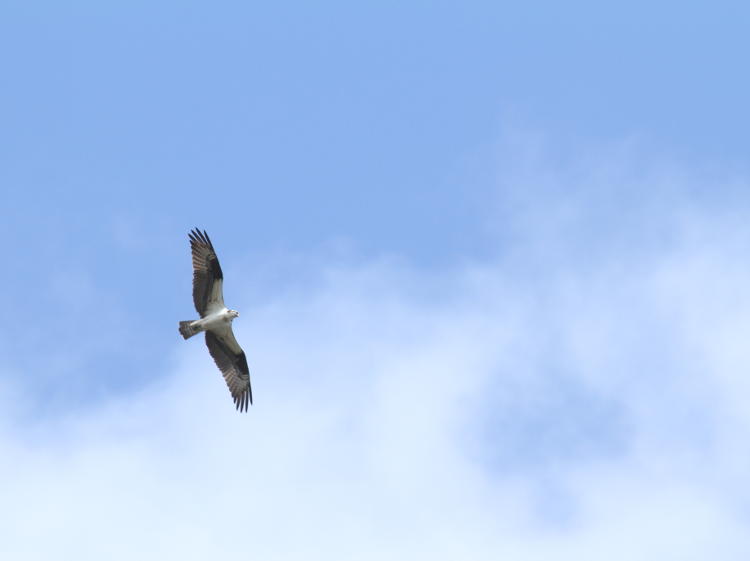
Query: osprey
{"type": "Point", "coordinates": [216, 320]}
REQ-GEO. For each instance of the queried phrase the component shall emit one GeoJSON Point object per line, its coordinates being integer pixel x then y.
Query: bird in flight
{"type": "Point", "coordinates": [216, 320]}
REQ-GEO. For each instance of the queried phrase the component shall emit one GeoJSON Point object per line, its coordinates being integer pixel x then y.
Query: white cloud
{"type": "Point", "coordinates": [590, 404]}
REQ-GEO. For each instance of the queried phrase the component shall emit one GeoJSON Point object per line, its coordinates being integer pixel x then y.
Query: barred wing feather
{"type": "Point", "coordinates": [208, 279]}
{"type": "Point", "coordinates": [231, 360]}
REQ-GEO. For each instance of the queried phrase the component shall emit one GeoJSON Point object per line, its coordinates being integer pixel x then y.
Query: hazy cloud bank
{"type": "Point", "coordinates": [582, 396]}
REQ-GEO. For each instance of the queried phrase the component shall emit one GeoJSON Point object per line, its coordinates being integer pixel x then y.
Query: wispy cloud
{"type": "Point", "coordinates": [581, 396]}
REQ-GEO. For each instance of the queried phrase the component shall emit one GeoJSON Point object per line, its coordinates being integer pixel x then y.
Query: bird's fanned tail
{"type": "Point", "coordinates": [186, 331]}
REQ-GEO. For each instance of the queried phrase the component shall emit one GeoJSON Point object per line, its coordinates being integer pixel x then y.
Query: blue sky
{"type": "Point", "coordinates": [490, 260]}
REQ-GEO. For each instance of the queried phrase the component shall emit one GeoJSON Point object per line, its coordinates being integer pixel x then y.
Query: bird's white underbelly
{"type": "Point", "coordinates": [213, 321]}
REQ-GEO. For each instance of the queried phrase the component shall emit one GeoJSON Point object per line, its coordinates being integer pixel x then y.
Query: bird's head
{"type": "Point", "coordinates": [234, 314]}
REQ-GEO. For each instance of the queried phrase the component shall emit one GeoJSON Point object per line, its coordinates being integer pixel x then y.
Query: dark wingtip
{"type": "Point", "coordinates": [241, 401]}
{"type": "Point", "coordinates": [200, 237]}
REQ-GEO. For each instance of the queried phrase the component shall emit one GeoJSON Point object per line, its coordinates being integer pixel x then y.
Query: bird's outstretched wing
{"type": "Point", "coordinates": [231, 360]}
{"type": "Point", "coordinates": [208, 279]}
